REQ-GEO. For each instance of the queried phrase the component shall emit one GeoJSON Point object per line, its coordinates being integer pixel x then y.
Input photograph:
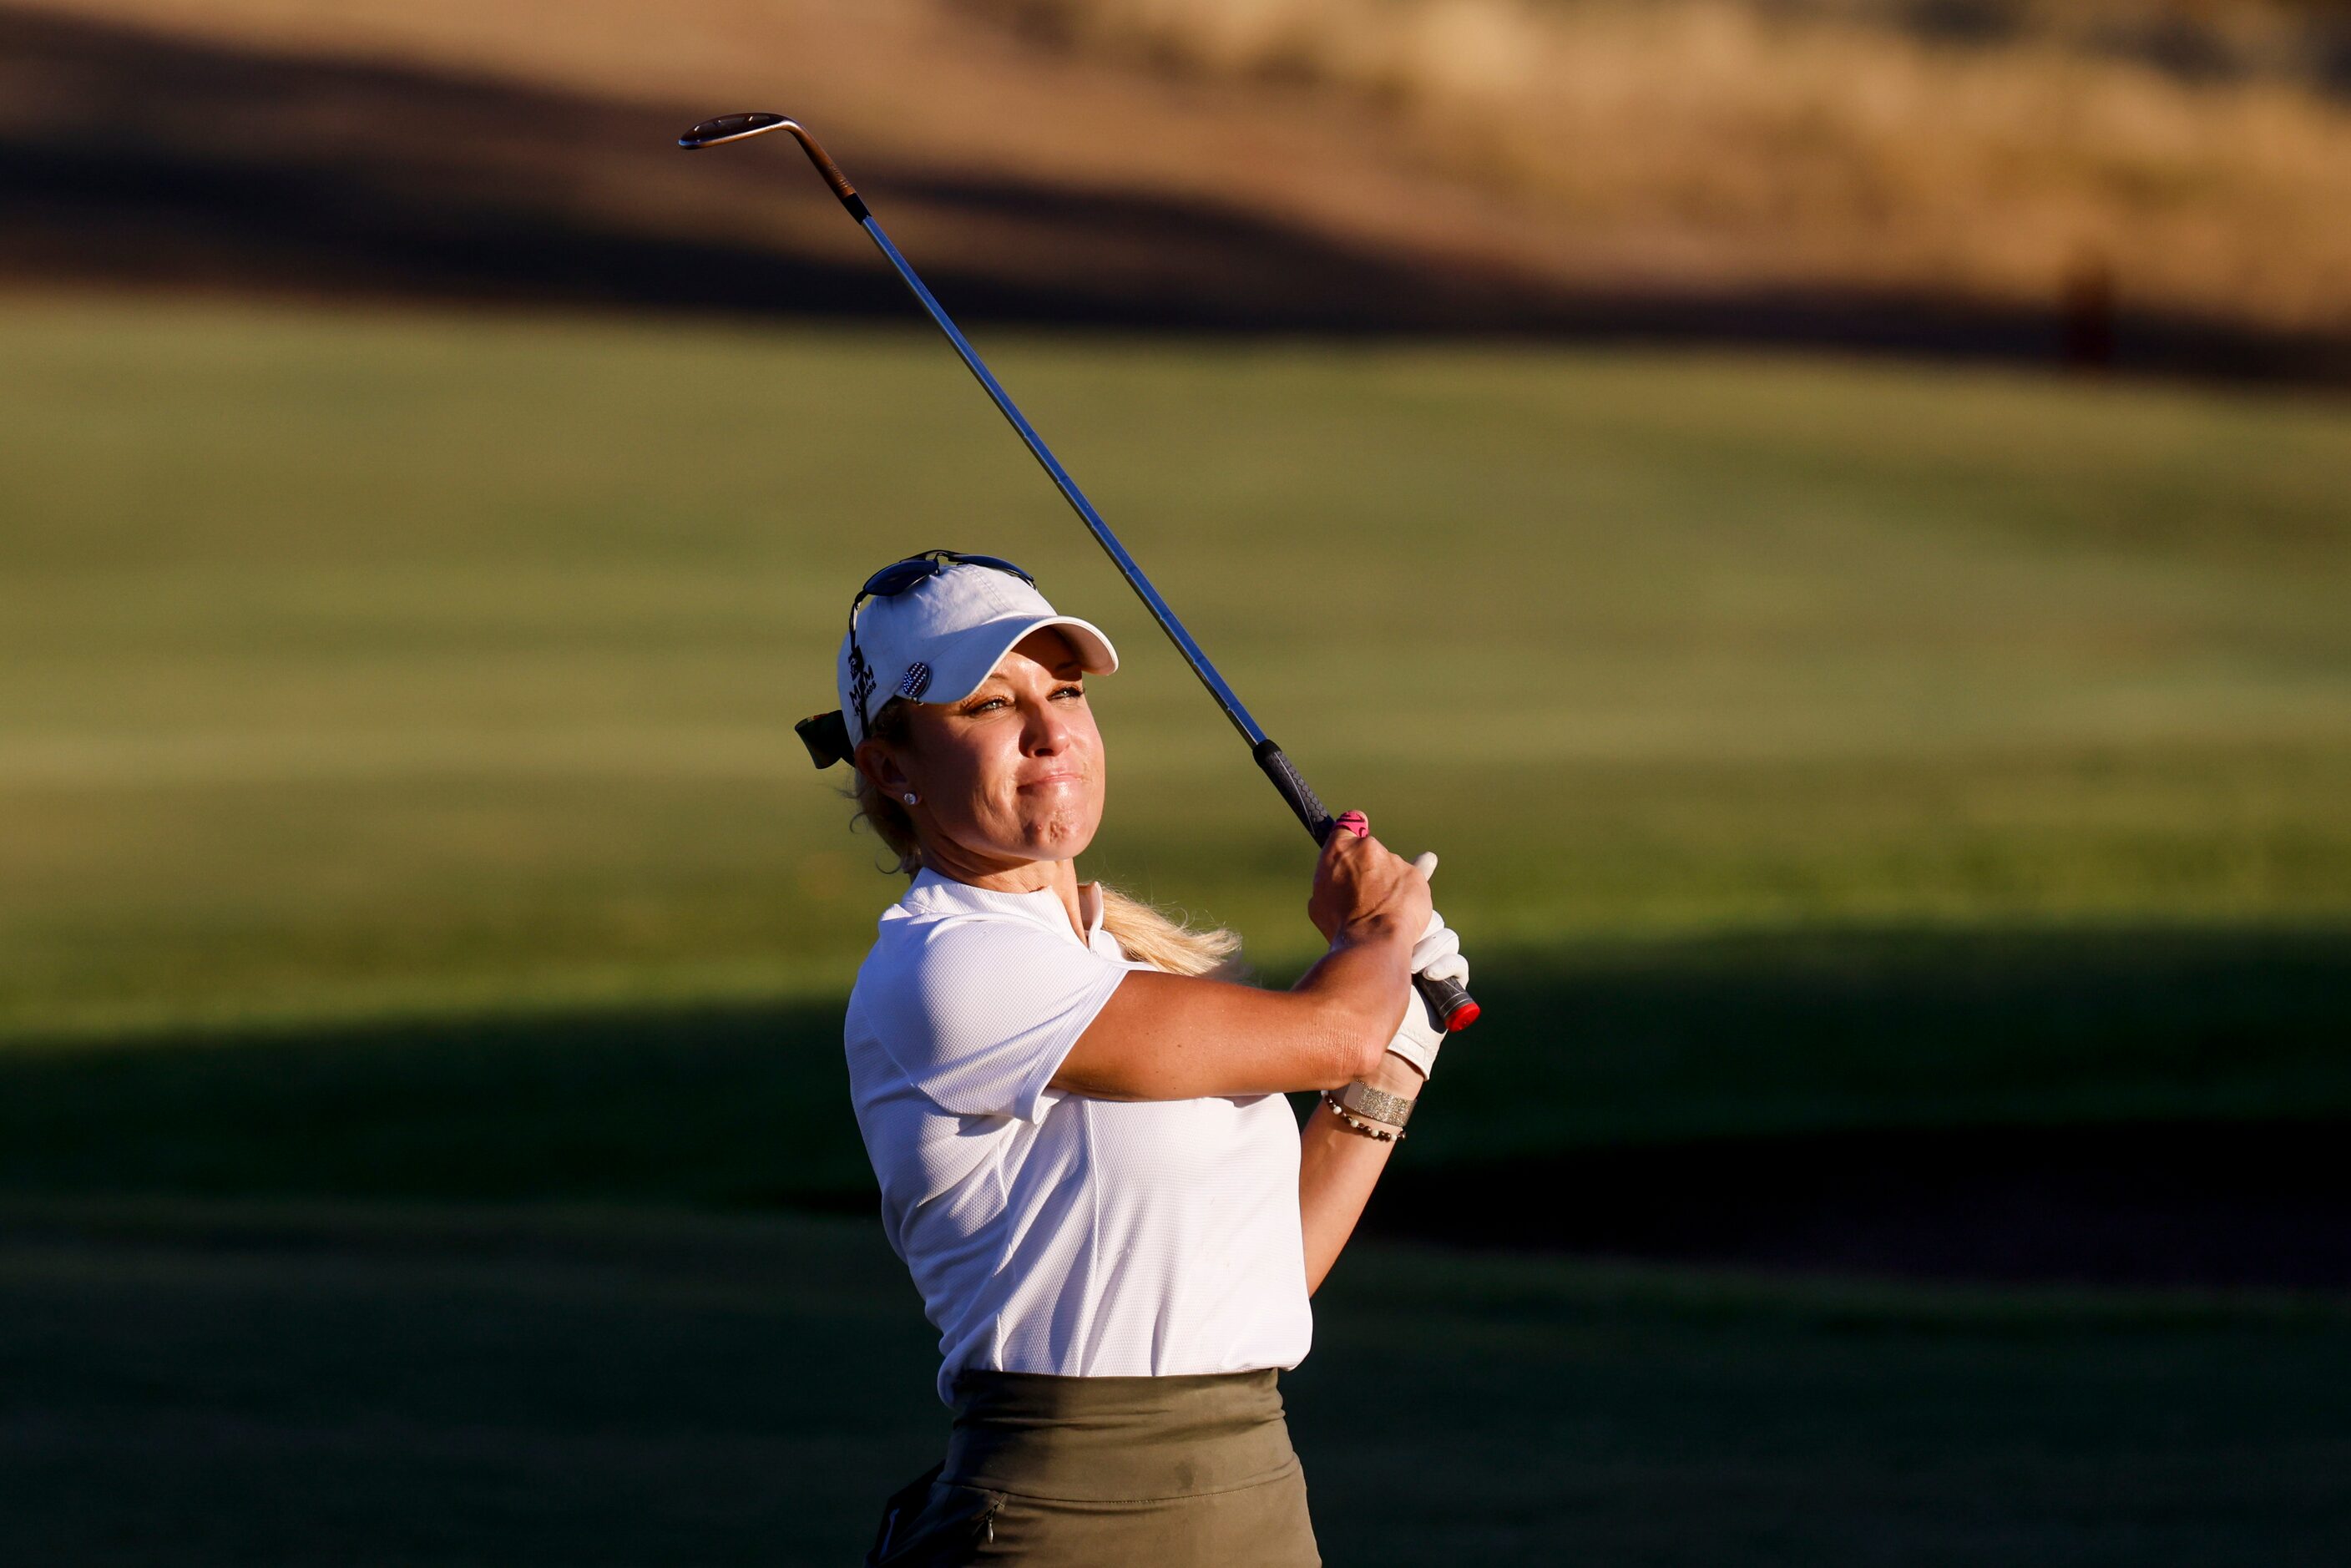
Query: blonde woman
{"type": "Point", "coordinates": [1075, 1112]}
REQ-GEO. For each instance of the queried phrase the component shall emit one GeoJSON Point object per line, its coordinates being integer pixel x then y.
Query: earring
{"type": "Point", "coordinates": [909, 797]}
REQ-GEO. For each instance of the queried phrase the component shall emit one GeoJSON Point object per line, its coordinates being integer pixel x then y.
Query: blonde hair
{"type": "Point", "coordinates": [1144, 933]}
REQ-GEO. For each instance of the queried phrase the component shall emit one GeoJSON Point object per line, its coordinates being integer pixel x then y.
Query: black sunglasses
{"type": "Point", "coordinates": [902, 575]}
{"type": "Point", "coordinates": [826, 735]}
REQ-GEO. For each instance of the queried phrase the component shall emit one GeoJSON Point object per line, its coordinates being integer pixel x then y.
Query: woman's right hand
{"type": "Point", "coordinates": [1359, 883]}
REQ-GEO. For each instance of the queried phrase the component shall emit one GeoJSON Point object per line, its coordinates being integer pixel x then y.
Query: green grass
{"type": "Point", "coordinates": [398, 804]}
{"type": "Point", "coordinates": [203, 1385]}
{"type": "Point", "coordinates": [357, 664]}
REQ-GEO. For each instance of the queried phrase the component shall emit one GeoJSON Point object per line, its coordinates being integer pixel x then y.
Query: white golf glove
{"type": "Point", "coordinates": [1437, 954]}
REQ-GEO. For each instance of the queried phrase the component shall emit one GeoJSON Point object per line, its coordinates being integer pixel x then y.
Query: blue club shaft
{"type": "Point", "coordinates": [1449, 1005]}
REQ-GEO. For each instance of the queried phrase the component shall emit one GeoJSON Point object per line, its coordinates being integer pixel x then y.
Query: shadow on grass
{"type": "Point", "coordinates": [201, 1383]}
{"type": "Point", "coordinates": [2144, 1106]}
{"type": "Point", "coordinates": [2263, 1203]}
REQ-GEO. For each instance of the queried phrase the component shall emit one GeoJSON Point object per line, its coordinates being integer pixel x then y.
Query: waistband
{"type": "Point", "coordinates": [1110, 1440]}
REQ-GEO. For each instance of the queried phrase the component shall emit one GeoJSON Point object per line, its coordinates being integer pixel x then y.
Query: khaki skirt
{"type": "Point", "coordinates": [1080, 1473]}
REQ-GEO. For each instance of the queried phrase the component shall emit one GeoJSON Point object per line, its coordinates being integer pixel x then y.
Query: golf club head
{"type": "Point", "coordinates": [730, 127]}
{"type": "Point", "coordinates": [735, 127]}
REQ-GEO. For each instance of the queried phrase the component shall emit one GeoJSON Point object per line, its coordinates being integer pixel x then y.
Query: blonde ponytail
{"type": "Point", "coordinates": [1145, 933]}
{"type": "Point", "coordinates": [1149, 936]}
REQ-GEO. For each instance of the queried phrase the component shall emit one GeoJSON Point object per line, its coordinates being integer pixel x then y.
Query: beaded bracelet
{"type": "Point", "coordinates": [1384, 1134]}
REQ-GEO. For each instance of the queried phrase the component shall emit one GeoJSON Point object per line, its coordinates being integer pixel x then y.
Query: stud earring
{"type": "Point", "coordinates": [909, 797]}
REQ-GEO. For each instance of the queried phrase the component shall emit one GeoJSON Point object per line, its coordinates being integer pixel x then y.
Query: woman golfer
{"type": "Point", "coordinates": [1084, 1155]}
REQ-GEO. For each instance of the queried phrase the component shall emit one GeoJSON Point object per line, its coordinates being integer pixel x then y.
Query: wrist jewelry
{"type": "Point", "coordinates": [1385, 1134]}
{"type": "Point", "coordinates": [1376, 1104]}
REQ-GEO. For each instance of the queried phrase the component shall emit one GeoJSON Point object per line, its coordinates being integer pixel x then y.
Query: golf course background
{"type": "Point", "coordinates": [422, 1132]}
{"type": "Point", "coordinates": [364, 662]}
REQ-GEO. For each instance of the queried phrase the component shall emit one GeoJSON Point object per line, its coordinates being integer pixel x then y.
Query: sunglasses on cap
{"type": "Point", "coordinates": [826, 735]}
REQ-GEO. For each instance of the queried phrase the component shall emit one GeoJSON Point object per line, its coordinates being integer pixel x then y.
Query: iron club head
{"type": "Point", "coordinates": [735, 127]}
{"type": "Point", "coordinates": [730, 127]}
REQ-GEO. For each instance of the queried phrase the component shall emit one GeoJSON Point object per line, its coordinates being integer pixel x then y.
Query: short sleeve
{"type": "Point", "coordinates": [986, 1011]}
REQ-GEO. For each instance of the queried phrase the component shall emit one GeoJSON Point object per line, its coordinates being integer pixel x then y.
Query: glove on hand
{"type": "Point", "coordinates": [1437, 954]}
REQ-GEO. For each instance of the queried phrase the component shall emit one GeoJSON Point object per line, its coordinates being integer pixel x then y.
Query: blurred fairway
{"type": "Point", "coordinates": [354, 665]}
{"type": "Point", "coordinates": [201, 1386]}
{"type": "Point", "coordinates": [398, 804]}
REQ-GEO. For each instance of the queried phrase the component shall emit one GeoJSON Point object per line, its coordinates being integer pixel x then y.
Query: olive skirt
{"type": "Point", "coordinates": [1080, 1473]}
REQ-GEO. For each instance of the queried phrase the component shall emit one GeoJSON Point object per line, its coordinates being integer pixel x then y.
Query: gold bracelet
{"type": "Point", "coordinates": [1385, 1134]}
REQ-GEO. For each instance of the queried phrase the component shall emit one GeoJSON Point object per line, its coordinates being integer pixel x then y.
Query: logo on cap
{"type": "Point", "coordinates": [861, 682]}
{"type": "Point", "coordinates": [916, 681]}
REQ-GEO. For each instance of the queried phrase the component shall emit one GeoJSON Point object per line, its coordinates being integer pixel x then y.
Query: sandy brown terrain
{"type": "Point", "coordinates": [1826, 181]}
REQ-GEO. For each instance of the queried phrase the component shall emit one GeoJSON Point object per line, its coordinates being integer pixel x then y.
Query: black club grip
{"type": "Point", "coordinates": [1450, 1007]}
{"type": "Point", "coordinates": [1294, 789]}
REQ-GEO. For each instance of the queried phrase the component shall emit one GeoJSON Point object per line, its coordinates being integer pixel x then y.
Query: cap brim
{"type": "Point", "coordinates": [990, 641]}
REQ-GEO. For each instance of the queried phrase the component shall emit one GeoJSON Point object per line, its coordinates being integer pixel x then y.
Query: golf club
{"type": "Point", "coordinates": [1448, 1004]}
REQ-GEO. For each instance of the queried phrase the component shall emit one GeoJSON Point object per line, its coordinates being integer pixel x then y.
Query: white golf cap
{"type": "Point", "coordinates": [938, 639]}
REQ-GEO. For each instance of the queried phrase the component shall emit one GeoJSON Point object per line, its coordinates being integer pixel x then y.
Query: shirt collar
{"type": "Point", "coordinates": [930, 891]}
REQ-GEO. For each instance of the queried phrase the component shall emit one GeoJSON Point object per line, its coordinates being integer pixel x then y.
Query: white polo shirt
{"type": "Point", "coordinates": [1047, 1231]}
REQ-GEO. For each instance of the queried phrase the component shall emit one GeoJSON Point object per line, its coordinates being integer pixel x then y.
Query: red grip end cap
{"type": "Point", "coordinates": [1463, 1016]}
{"type": "Point", "coordinates": [1356, 823]}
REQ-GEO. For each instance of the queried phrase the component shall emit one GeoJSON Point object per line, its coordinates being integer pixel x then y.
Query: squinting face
{"type": "Point", "coordinates": [1012, 773]}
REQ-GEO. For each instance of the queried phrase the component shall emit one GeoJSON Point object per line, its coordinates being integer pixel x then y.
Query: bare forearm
{"type": "Point", "coordinates": [1338, 1168]}
{"type": "Point", "coordinates": [1176, 1037]}
{"type": "Point", "coordinates": [1351, 987]}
